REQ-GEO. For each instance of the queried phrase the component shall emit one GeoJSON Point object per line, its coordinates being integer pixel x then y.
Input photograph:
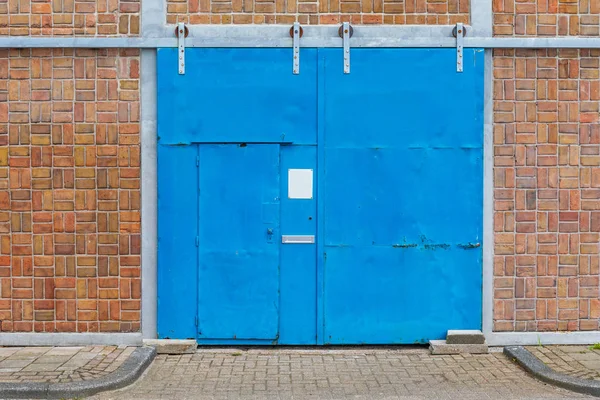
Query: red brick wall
{"type": "Point", "coordinates": [433, 12]}
{"type": "Point", "coordinates": [70, 152]}
{"type": "Point", "coordinates": [546, 170]}
{"type": "Point", "coordinates": [70, 199]}
{"type": "Point", "coordinates": [546, 17]}
{"type": "Point", "coordinates": [70, 157]}
{"type": "Point", "coordinates": [70, 17]}
{"type": "Point", "coordinates": [546, 190]}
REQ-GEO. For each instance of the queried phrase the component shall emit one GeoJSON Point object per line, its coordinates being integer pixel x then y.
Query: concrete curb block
{"type": "Point", "coordinates": [125, 375]}
{"type": "Point", "coordinates": [544, 373]}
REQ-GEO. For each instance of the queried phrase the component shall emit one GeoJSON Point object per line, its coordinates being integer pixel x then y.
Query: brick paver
{"type": "Point", "coordinates": [579, 361]}
{"type": "Point", "coordinates": [60, 364]}
{"type": "Point", "coordinates": [382, 373]}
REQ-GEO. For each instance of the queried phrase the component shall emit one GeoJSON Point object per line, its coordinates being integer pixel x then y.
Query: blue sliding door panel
{"type": "Point", "coordinates": [235, 107]}
{"type": "Point", "coordinates": [239, 239]}
{"type": "Point", "coordinates": [237, 95]}
{"type": "Point", "coordinates": [402, 195]}
{"type": "Point", "coordinates": [177, 251]}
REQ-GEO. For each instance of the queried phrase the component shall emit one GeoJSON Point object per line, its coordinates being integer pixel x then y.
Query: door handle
{"type": "Point", "coordinates": [300, 239]}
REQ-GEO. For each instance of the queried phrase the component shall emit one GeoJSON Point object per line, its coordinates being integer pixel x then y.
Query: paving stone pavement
{"type": "Point", "coordinates": [355, 373]}
{"type": "Point", "coordinates": [60, 364]}
{"type": "Point", "coordinates": [579, 361]}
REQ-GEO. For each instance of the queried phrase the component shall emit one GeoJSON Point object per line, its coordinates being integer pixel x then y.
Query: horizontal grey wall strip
{"type": "Point", "coordinates": [314, 36]}
{"type": "Point", "coordinates": [69, 339]}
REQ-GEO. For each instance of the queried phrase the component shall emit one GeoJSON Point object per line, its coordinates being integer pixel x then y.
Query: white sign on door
{"type": "Point", "coordinates": [300, 183]}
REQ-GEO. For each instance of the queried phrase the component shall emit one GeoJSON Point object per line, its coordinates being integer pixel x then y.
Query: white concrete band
{"type": "Point", "coordinates": [544, 338]}
{"type": "Point", "coordinates": [85, 42]}
{"type": "Point", "coordinates": [314, 36]}
{"type": "Point", "coordinates": [70, 339]}
{"type": "Point", "coordinates": [154, 16]}
{"type": "Point", "coordinates": [488, 198]}
{"type": "Point", "coordinates": [149, 193]}
{"type": "Point", "coordinates": [481, 17]}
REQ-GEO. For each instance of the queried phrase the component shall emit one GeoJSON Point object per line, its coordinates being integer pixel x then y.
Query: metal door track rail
{"type": "Point", "coordinates": [313, 36]}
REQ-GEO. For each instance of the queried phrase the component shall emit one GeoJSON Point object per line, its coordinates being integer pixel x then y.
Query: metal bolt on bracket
{"type": "Point", "coordinates": [346, 31]}
{"type": "Point", "coordinates": [181, 32]}
{"type": "Point", "coordinates": [296, 33]}
{"type": "Point", "coordinates": [455, 29]}
{"type": "Point", "coordinates": [459, 33]}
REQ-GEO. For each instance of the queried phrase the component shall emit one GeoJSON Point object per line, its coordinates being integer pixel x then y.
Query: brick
{"type": "Point", "coordinates": [52, 197]}
{"type": "Point", "coordinates": [553, 212]}
{"type": "Point", "coordinates": [323, 12]}
{"type": "Point", "coordinates": [544, 20]}
{"type": "Point", "coordinates": [57, 18]}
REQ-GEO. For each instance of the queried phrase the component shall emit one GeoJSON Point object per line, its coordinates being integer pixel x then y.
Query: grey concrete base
{"type": "Point", "coordinates": [26, 339]}
{"type": "Point", "coordinates": [465, 337]}
{"type": "Point", "coordinates": [440, 347]}
{"type": "Point", "coordinates": [172, 346]}
{"type": "Point", "coordinates": [125, 375]}
{"type": "Point", "coordinates": [544, 373]}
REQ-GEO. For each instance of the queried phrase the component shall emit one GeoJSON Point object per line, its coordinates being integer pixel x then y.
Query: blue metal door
{"type": "Point", "coordinates": [395, 151]}
{"type": "Point", "coordinates": [402, 185]}
{"type": "Point", "coordinates": [238, 276]}
{"type": "Point", "coordinates": [230, 131]}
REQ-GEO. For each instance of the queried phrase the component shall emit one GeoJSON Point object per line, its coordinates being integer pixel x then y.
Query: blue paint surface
{"type": "Point", "coordinates": [396, 149]}
{"type": "Point", "coordinates": [298, 261]}
{"type": "Point", "coordinates": [238, 295]}
{"type": "Point", "coordinates": [403, 186]}
{"type": "Point", "coordinates": [237, 95]}
{"type": "Point", "coordinates": [177, 251]}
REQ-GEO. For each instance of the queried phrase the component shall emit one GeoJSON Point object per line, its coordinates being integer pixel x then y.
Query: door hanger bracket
{"type": "Point", "coordinates": [296, 33]}
{"type": "Point", "coordinates": [181, 32]}
{"type": "Point", "coordinates": [346, 31]}
{"type": "Point", "coordinates": [459, 33]}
